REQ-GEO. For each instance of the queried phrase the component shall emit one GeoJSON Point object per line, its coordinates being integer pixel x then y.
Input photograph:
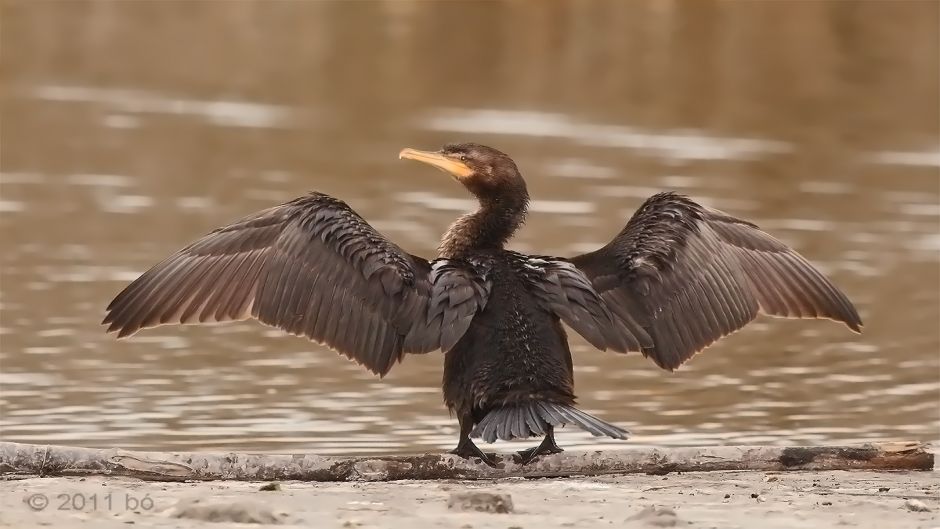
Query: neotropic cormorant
{"type": "Point", "coordinates": [675, 279]}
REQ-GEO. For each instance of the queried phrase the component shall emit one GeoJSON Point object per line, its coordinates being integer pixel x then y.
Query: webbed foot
{"type": "Point", "coordinates": [466, 449]}
{"type": "Point", "coordinates": [547, 447]}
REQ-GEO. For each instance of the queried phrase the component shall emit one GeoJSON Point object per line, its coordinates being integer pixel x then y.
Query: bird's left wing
{"type": "Point", "coordinates": [690, 275]}
{"type": "Point", "coordinates": [312, 267]}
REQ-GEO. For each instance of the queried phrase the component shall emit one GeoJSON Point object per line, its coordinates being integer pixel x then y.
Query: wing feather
{"type": "Point", "coordinates": [228, 301]}
{"type": "Point", "coordinates": [564, 290]}
{"type": "Point", "coordinates": [312, 267]}
{"type": "Point", "coordinates": [689, 275]}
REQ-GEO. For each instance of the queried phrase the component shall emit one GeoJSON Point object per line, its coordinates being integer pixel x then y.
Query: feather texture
{"type": "Point", "coordinates": [563, 289]}
{"type": "Point", "coordinates": [689, 275]}
{"type": "Point", "coordinates": [533, 418]}
{"type": "Point", "coordinates": [314, 268]}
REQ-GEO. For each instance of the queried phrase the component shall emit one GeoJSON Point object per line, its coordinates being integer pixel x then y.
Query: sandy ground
{"type": "Point", "coordinates": [695, 500]}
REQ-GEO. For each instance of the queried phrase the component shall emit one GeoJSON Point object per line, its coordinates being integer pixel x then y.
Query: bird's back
{"type": "Point", "coordinates": [514, 350]}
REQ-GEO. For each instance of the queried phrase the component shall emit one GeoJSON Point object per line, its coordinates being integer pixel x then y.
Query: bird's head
{"type": "Point", "coordinates": [487, 173]}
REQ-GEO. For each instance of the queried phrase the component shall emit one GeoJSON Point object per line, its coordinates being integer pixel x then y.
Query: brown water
{"type": "Point", "coordinates": [131, 128]}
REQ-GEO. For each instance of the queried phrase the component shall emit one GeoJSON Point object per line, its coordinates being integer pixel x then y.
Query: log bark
{"type": "Point", "coordinates": [26, 460]}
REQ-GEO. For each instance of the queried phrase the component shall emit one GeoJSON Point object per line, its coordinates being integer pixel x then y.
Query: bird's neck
{"type": "Point", "coordinates": [487, 228]}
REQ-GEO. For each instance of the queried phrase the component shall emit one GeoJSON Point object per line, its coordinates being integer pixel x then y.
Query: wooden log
{"type": "Point", "coordinates": [22, 460]}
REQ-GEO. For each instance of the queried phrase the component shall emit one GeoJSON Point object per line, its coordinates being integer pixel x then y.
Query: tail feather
{"type": "Point", "coordinates": [519, 427]}
{"type": "Point", "coordinates": [503, 428]}
{"type": "Point", "coordinates": [535, 418]}
{"type": "Point", "coordinates": [487, 430]}
{"type": "Point", "coordinates": [549, 413]}
{"type": "Point", "coordinates": [535, 425]}
{"type": "Point", "coordinates": [600, 428]}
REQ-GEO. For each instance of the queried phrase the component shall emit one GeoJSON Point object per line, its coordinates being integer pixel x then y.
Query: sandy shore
{"type": "Point", "coordinates": [714, 499]}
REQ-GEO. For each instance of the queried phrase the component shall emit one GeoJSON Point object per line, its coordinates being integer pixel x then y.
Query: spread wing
{"type": "Point", "coordinates": [690, 275]}
{"type": "Point", "coordinates": [312, 267]}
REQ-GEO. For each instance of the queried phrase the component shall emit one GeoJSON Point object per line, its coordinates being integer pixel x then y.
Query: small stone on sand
{"type": "Point", "coordinates": [916, 506]}
{"type": "Point", "coordinates": [480, 501]}
{"type": "Point", "coordinates": [228, 511]}
{"type": "Point", "coordinates": [654, 517]}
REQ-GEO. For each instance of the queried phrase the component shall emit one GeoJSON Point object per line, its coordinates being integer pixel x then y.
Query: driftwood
{"type": "Point", "coordinates": [22, 460]}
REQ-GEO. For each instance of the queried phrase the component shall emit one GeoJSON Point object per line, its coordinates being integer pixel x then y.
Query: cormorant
{"type": "Point", "coordinates": [675, 279]}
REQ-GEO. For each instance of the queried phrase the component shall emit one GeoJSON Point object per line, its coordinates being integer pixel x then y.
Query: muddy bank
{"type": "Point", "coordinates": [713, 499]}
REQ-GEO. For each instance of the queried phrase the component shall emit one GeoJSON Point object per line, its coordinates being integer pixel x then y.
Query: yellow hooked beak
{"type": "Point", "coordinates": [450, 165]}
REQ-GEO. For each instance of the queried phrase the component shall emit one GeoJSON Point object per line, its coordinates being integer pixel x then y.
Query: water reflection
{"type": "Point", "coordinates": [127, 135]}
{"type": "Point", "coordinates": [673, 145]}
{"type": "Point", "coordinates": [219, 113]}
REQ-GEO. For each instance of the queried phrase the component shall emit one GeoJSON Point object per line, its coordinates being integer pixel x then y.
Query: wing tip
{"type": "Point", "coordinates": [380, 372]}
{"type": "Point", "coordinates": [855, 325]}
{"type": "Point", "coordinates": [124, 332]}
{"type": "Point", "coordinates": [853, 321]}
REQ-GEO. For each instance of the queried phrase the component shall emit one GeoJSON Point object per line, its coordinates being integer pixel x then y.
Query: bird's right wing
{"type": "Point", "coordinates": [312, 267]}
{"type": "Point", "coordinates": [690, 275]}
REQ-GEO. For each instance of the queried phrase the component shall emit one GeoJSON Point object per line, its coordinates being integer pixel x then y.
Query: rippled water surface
{"type": "Point", "coordinates": [131, 128]}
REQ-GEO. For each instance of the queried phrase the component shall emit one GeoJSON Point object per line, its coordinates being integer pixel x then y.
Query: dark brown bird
{"type": "Point", "coordinates": [675, 279]}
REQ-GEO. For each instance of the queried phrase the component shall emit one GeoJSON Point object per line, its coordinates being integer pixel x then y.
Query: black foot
{"type": "Point", "coordinates": [466, 449]}
{"type": "Point", "coordinates": [547, 447]}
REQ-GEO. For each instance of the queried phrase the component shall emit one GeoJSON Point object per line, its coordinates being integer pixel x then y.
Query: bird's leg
{"type": "Point", "coordinates": [547, 447]}
{"type": "Point", "coordinates": [465, 447]}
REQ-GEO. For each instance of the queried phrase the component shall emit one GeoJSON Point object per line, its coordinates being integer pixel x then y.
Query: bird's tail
{"type": "Point", "coordinates": [535, 417]}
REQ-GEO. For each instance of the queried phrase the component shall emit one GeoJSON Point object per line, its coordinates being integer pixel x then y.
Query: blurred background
{"type": "Point", "coordinates": [131, 128]}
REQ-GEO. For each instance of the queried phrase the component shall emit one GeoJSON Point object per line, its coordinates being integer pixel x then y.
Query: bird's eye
{"type": "Point", "coordinates": [463, 157]}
